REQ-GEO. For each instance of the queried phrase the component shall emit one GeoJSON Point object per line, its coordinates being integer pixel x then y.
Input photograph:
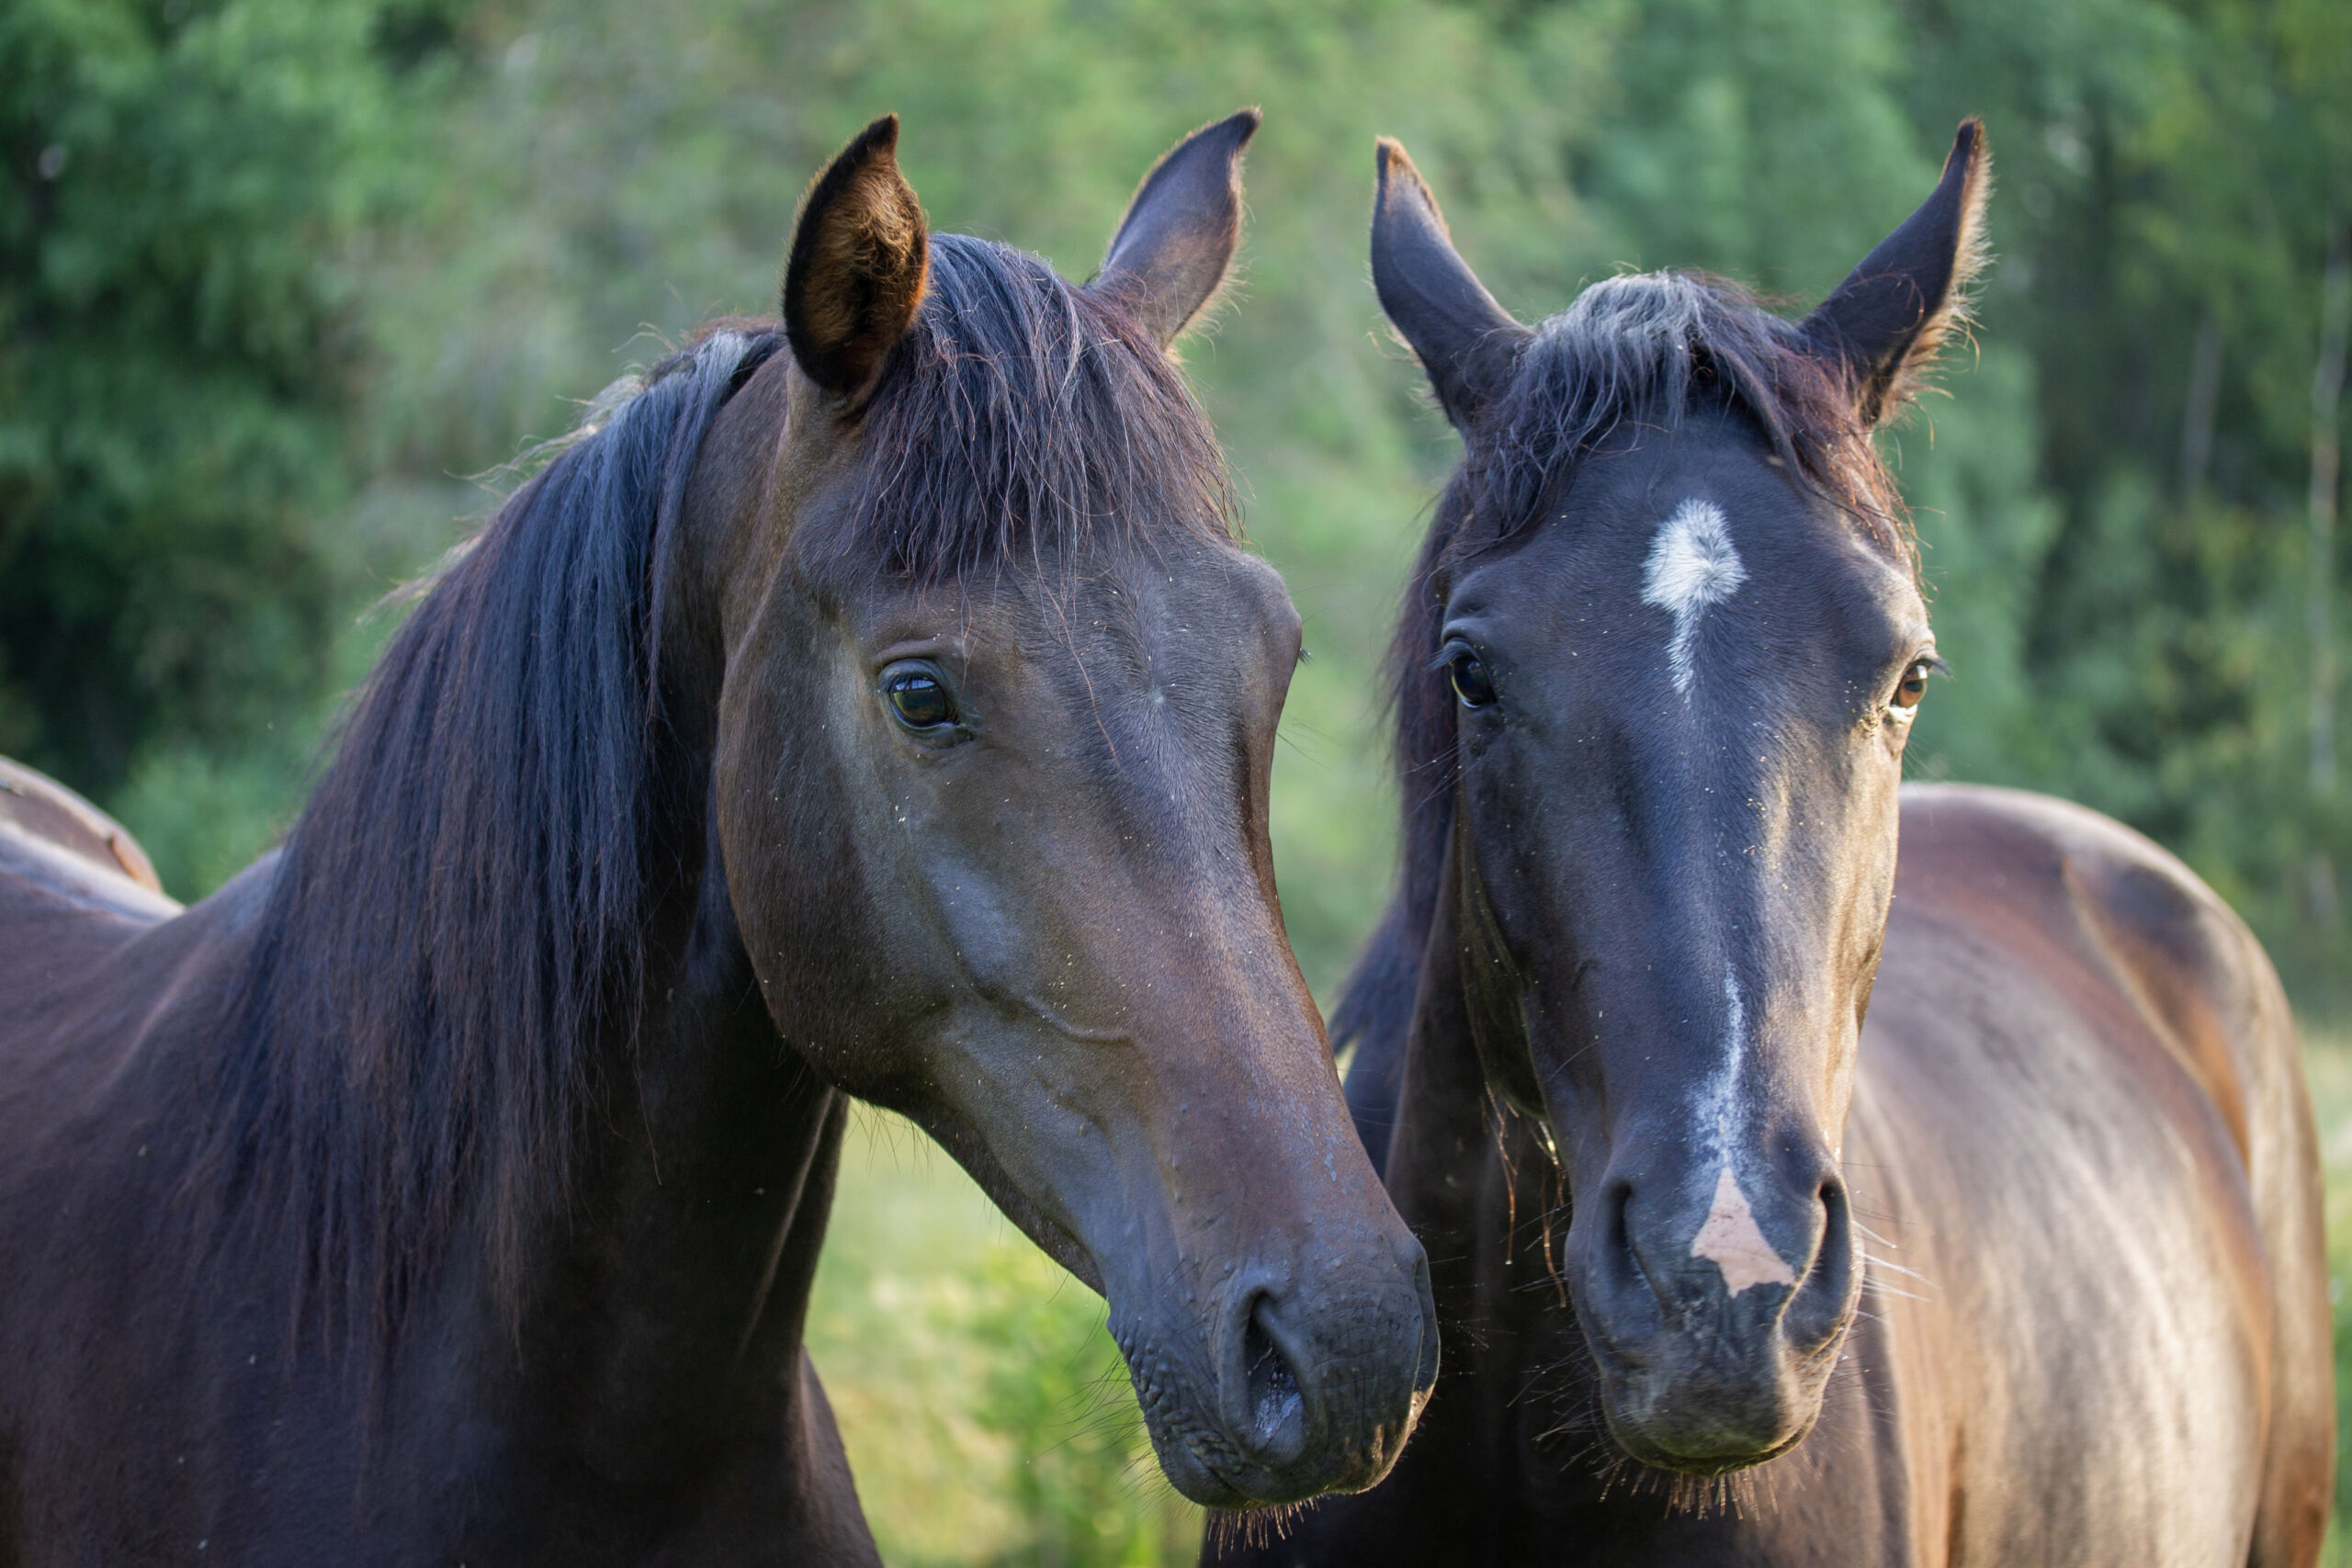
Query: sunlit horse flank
{"type": "Point", "coordinates": [1654, 675]}
{"type": "Point", "coordinates": [877, 704]}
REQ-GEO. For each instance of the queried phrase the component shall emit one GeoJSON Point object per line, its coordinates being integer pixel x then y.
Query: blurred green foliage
{"type": "Point", "coordinates": [177, 315]}
{"type": "Point", "coordinates": [273, 271]}
{"type": "Point", "coordinates": [986, 1410]}
{"type": "Point", "coordinates": [2329, 1060]}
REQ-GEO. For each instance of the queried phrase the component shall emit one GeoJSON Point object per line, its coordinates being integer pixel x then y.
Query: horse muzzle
{"type": "Point", "coordinates": [1309, 1378]}
{"type": "Point", "coordinates": [1715, 1317]}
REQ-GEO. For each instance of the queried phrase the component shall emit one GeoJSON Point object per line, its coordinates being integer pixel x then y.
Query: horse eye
{"type": "Point", "coordinates": [1913, 686]}
{"type": "Point", "coordinates": [918, 700]}
{"type": "Point", "coordinates": [1471, 682]}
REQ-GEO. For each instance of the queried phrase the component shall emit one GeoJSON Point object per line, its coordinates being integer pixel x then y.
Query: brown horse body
{"type": "Point", "coordinates": [39, 815]}
{"type": "Point", "coordinates": [164, 1406]}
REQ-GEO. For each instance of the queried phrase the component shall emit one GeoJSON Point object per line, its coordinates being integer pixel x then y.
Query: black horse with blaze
{"type": "Point", "coordinates": [2029, 1268]}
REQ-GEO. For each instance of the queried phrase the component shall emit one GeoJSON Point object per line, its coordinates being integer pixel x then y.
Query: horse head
{"type": "Point", "coordinates": [997, 694]}
{"type": "Point", "coordinates": [1657, 669]}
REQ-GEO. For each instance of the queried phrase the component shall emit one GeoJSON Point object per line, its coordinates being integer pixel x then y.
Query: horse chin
{"type": "Point", "coordinates": [1643, 1449]}
{"type": "Point", "coordinates": [1194, 1478]}
{"type": "Point", "coordinates": [1253, 1488]}
{"type": "Point", "coordinates": [1208, 1470]}
{"type": "Point", "coordinates": [1699, 1429]}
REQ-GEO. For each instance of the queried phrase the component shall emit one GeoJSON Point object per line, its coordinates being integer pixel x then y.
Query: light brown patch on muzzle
{"type": "Point", "coordinates": [1733, 1242]}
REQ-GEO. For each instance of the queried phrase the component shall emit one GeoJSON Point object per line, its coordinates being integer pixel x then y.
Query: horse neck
{"type": "Point", "coordinates": [1478, 1186]}
{"type": "Point", "coordinates": [681, 1288]}
{"type": "Point", "coordinates": [702, 1204]}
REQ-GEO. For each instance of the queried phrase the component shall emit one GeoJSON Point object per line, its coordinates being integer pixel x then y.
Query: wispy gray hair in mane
{"type": "Point", "coordinates": [456, 920]}
{"type": "Point", "coordinates": [1633, 355]}
{"type": "Point", "coordinates": [1021, 413]}
{"type": "Point", "coordinates": [1644, 350]}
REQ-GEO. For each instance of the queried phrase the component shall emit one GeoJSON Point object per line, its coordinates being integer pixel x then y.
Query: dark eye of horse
{"type": "Point", "coordinates": [1913, 686]}
{"type": "Point", "coordinates": [1471, 682]}
{"type": "Point", "coordinates": [918, 700]}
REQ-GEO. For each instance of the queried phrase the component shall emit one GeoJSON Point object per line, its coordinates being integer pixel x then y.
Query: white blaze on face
{"type": "Point", "coordinates": [1691, 566]}
{"type": "Point", "coordinates": [1723, 1094]}
{"type": "Point", "coordinates": [1730, 1238]}
{"type": "Point", "coordinates": [1733, 1242]}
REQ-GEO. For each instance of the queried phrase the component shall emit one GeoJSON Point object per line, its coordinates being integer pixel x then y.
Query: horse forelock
{"type": "Point", "coordinates": [1639, 352]}
{"type": "Point", "coordinates": [458, 919]}
{"type": "Point", "coordinates": [1633, 354]}
{"type": "Point", "coordinates": [1021, 414]}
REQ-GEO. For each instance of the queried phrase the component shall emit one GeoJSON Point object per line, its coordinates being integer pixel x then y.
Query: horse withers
{"type": "Point", "coordinates": [879, 704]}
{"type": "Point", "coordinates": [2028, 1270]}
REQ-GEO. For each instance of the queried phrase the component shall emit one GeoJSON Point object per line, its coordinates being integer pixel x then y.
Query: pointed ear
{"type": "Point", "coordinates": [1170, 253]}
{"type": "Point", "coordinates": [855, 273]}
{"type": "Point", "coordinates": [1888, 319]}
{"type": "Point", "coordinates": [1467, 342]}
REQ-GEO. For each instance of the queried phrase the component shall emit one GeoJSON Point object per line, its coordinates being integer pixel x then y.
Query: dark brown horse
{"type": "Point", "coordinates": [876, 706]}
{"type": "Point", "coordinates": [2027, 1272]}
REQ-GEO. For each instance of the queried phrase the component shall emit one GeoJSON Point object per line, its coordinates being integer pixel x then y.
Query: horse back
{"type": "Point", "coordinates": [34, 807]}
{"type": "Point", "coordinates": [2150, 960]}
{"type": "Point", "coordinates": [117, 1401]}
{"type": "Point", "coordinates": [75, 886]}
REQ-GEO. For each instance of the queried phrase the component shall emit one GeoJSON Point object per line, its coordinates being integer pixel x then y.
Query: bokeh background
{"type": "Point", "coordinates": [284, 284]}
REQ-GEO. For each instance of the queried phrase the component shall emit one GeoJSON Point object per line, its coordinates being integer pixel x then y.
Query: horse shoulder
{"type": "Point", "coordinates": [2139, 948]}
{"type": "Point", "coordinates": [2172, 952]}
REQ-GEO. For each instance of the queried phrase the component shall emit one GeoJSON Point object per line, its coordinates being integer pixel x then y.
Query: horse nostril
{"type": "Point", "coordinates": [1274, 1399]}
{"type": "Point", "coordinates": [1817, 1312]}
{"type": "Point", "coordinates": [1830, 1259]}
{"type": "Point", "coordinates": [1616, 1203]}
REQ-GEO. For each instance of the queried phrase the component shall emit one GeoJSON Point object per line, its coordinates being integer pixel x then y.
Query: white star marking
{"type": "Point", "coordinates": [1691, 566]}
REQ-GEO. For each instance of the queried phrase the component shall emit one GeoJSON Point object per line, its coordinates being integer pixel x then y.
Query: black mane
{"type": "Point", "coordinates": [1633, 354]}
{"type": "Point", "coordinates": [455, 922]}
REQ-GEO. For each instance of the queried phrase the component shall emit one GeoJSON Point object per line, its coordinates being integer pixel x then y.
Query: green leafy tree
{"type": "Point", "coordinates": [182, 187]}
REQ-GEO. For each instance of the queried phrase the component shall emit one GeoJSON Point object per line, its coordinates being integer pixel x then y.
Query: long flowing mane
{"type": "Point", "coordinates": [454, 922]}
{"type": "Point", "coordinates": [456, 930]}
{"type": "Point", "coordinates": [1633, 354]}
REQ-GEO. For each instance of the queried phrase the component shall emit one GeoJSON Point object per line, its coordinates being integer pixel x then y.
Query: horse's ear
{"type": "Point", "coordinates": [855, 274]}
{"type": "Point", "coordinates": [1886, 322]}
{"type": "Point", "coordinates": [1169, 256]}
{"type": "Point", "coordinates": [1467, 342]}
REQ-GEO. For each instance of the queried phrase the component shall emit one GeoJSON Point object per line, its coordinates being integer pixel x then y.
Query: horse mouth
{"type": "Point", "coordinates": [1273, 1456]}
{"type": "Point", "coordinates": [1700, 1430]}
{"type": "Point", "coordinates": [1643, 1450]}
